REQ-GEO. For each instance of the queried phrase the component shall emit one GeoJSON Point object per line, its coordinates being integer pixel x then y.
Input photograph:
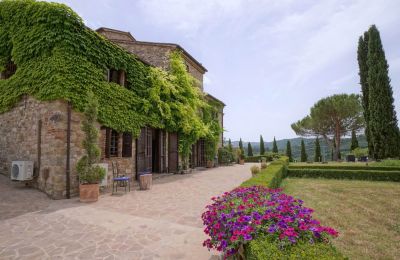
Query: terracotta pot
{"type": "Point", "coordinates": [210, 164]}
{"type": "Point", "coordinates": [241, 161]}
{"type": "Point", "coordinates": [89, 192]}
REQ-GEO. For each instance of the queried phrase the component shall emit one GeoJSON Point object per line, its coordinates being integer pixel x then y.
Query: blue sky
{"type": "Point", "coordinates": [269, 61]}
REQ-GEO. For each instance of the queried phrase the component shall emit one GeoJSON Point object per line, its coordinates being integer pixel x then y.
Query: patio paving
{"type": "Point", "coordinates": [163, 223]}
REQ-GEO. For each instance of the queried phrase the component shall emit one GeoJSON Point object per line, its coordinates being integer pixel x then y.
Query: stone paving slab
{"type": "Point", "coordinates": [163, 223]}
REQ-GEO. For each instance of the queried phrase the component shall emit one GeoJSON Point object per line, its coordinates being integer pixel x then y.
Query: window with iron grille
{"type": "Point", "coordinates": [9, 70]}
{"type": "Point", "coordinates": [111, 147]}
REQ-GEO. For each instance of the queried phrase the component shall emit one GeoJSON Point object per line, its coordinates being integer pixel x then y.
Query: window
{"type": "Point", "coordinates": [9, 70]}
{"type": "Point", "coordinates": [111, 148]}
{"type": "Point", "coordinates": [187, 67]}
{"type": "Point", "coordinates": [116, 76]}
{"type": "Point", "coordinates": [126, 145]}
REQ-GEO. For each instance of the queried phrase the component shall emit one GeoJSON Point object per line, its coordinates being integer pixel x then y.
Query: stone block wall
{"type": "Point", "coordinates": [19, 140]}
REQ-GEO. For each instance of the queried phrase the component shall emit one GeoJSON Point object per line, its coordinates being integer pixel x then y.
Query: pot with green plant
{"type": "Point", "coordinates": [89, 174]}
{"type": "Point", "coordinates": [211, 152]}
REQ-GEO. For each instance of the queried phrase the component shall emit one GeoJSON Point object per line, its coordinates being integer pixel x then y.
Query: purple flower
{"type": "Point", "coordinates": [248, 237]}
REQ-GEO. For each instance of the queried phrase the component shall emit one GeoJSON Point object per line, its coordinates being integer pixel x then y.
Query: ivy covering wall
{"type": "Point", "coordinates": [58, 57]}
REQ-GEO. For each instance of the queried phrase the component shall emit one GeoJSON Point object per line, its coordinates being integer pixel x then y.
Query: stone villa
{"type": "Point", "coordinates": [49, 132]}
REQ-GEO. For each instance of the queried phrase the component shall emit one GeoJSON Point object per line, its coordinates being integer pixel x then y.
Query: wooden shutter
{"type": "Point", "coordinates": [141, 152]}
{"type": "Point", "coordinates": [173, 152]}
{"type": "Point", "coordinates": [126, 145]}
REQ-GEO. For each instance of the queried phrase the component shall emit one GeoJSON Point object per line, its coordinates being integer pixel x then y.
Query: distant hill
{"type": "Point", "coordinates": [309, 143]}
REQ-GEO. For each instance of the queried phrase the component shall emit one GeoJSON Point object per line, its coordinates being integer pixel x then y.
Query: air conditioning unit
{"type": "Point", "coordinates": [22, 170]}
{"type": "Point", "coordinates": [105, 167]}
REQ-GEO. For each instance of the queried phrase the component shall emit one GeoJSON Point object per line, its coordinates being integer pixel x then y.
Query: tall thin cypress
{"type": "Point", "coordinates": [230, 149]}
{"type": "Point", "coordinates": [382, 116]}
{"type": "Point", "coordinates": [289, 151]}
{"type": "Point", "coordinates": [362, 57]}
{"type": "Point", "coordinates": [241, 147]}
{"type": "Point", "coordinates": [274, 146]}
{"type": "Point", "coordinates": [317, 153]}
{"type": "Point", "coordinates": [262, 147]}
{"type": "Point", "coordinates": [303, 153]}
{"type": "Point", "coordinates": [249, 149]}
{"type": "Point", "coordinates": [354, 141]}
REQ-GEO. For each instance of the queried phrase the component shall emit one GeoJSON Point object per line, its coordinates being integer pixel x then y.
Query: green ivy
{"type": "Point", "coordinates": [58, 57]}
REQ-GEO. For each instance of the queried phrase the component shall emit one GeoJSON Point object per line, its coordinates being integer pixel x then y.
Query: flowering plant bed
{"type": "Point", "coordinates": [240, 216]}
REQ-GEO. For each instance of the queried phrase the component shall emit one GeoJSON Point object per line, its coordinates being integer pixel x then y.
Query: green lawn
{"type": "Point", "coordinates": [367, 214]}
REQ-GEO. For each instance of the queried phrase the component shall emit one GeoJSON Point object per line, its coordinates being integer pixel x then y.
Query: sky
{"type": "Point", "coordinates": [268, 61]}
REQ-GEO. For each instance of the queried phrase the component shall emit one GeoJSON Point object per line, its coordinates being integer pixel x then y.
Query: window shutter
{"type": "Point", "coordinates": [126, 145]}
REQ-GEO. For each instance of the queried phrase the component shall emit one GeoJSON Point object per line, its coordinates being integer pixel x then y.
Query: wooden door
{"type": "Point", "coordinates": [144, 151]}
{"type": "Point", "coordinates": [173, 152]}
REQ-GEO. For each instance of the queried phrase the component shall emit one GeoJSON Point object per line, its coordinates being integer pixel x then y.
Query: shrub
{"type": "Point", "coordinates": [89, 174]}
{"type": "Point", "coordinates": [346, 174]}
{"type": "Point", "coordinates": [264, 165]}
{"type": "Point", "coordinates": [237, 217]}
{"type": "Point", "coordinates": [264, 248]}
{"type": "Point", "coordinates": [225, 156]}
{"type": "Point", "coordinates": [255, 169]}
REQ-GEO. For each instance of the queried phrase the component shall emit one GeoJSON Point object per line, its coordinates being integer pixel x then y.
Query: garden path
{"type": "Point", "coordinates": [163, 223]}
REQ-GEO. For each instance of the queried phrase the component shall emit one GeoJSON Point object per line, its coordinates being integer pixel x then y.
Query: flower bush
{"type": "Point", "coordinates": [239, 216]}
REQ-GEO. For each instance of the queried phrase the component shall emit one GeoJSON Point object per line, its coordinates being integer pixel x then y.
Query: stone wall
{"type": "Point", "coordinates": [19, 140]}
{"type": "Point", "coordinates": [19, 137]}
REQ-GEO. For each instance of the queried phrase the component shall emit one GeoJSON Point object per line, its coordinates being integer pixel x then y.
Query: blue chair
{"type": "Point", "coordinates": [118, 179]}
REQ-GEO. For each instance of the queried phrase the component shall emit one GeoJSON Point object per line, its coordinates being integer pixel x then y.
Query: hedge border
{"type": "Point", "coordinates": [345, 167]}
{"type": "Point", "coordinates": [345, 174]}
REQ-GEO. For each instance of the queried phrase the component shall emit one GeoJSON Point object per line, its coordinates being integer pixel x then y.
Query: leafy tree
{"type": "Point", "coordinates": [262, 147]}
{"type": "Point", "coordinates": [249, 149]}
{"type": "Point", "coordinates": [289, 151]}
{"type": "Point", "coordinates": [384, 132]}
{"type": "Point", "coordinates": [362, 56]}
{"type": "Point", "coordinates": [354, 141]}
{"type": "Point", "coordinates": [303, 152]}
{"type": "Point", "coordinates": [333, 116]}
{"type": "Point", "coordinates": [274, 147]}
{"type": "Point", "coordinates": [317, 153]}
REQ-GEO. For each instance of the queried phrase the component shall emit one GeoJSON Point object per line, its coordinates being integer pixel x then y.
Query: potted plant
{"type": "Point", "coordinates": [240, 154]}
{"type": "Point", "coordinates": [90, 175]}
{"type": "Point", "coordinates": [211, 151]}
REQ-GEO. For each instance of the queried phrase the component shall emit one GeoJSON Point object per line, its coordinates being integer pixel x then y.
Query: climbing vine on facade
{"type": "Point", "coordinates": [58, 57]}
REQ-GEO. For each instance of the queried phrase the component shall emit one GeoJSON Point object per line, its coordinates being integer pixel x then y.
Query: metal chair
{"type": "Point", "coordinates": [118, 179]}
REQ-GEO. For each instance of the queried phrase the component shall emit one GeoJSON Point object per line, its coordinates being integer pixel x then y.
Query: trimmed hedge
{"type": "Point", "coordinates": [345, 174]}
{"type": "Point", "coordinates": [270, 177]}
{"type": "Point", "coordinates": [344, 167]}
{"type": "Point", "coordinates": [262, 248]}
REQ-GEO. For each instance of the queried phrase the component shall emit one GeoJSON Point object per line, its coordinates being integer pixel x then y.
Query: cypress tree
{"type": "Point", "coordinates": [382, 116]}
{"type": "Point", "coordinates": [354, 141]}
{"type": "Point", "coordinates": [362, 57]}
{"type": "Point", "coordinates": [241, 147]}
{"type": "Point", "coordinates": [303, 154]}
{"type": "Point", "coordinates": [262, 147]}
{"type": "Point", "coordinates": [274, 147]}
{"type": "Point", "coordinates": [289, 151]}
{"type": "Point", "coordinates": [230, 149]}
{"type": "Point", "coordinates": [249, 149]}
{"type": "Point", "coordinates": [317, 153]}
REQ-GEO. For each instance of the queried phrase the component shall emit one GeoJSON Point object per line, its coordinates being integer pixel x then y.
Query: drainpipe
{"type": "Point", "coordinates": [67, 168]}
